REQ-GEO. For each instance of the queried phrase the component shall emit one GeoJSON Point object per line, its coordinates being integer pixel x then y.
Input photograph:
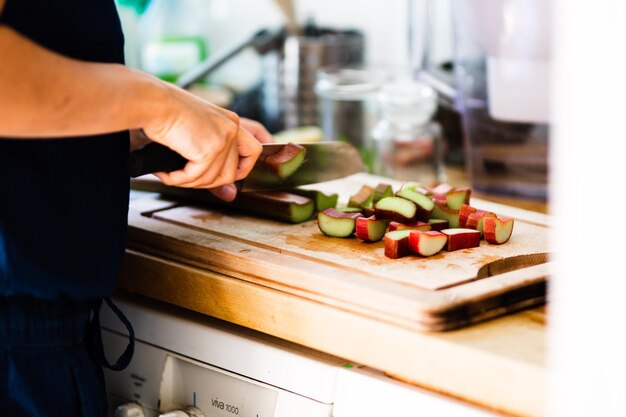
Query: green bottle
{"type": "Point", "coordinates": [173, 36]}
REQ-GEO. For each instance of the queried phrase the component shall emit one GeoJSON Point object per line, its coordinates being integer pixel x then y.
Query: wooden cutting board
{"type": "Point", "coordinates": [442, 292]}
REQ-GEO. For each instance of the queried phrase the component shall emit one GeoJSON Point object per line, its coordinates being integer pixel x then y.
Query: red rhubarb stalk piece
{"type": "Point", "coordinates": [397, 244]}
{"type": "Point", "coordinates": [498, 231]}
{"type": "Point", "coordinates": [442, 189]}
{"type": "Point", "coordinates": [438, 224]}
{"type": "Point", "coordinates": [464, 213]}
{"type": "Point", "coordinates": [285, 161]}
{"type": "Point", "coordinates": [424, 227]}
{"type": "Point", "coordinates": [370, 229]}
{"type": "Point", "coordinates": [461, 239]}
{"type": "Point", "coordinates": [426, 243]}
{"type": "Point", "coordinates": [475, 220]}
{"type": "Point", "coordinates": [423, 204]}
{"type": "Point", "coordinates": [457, 197]}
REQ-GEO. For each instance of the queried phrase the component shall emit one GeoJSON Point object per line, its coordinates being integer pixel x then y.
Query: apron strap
{"type": "Point", "coordinates": [96, 338]}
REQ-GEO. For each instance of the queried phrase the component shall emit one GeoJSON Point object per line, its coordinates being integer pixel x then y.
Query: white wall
{"type": "Point", "coordinates": [382, 21]}
{"type": "Point", "coordinates": [384, 24]}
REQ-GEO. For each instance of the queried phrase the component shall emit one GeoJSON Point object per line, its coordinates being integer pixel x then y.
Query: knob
{"type": "Point", "coordinates": [130, 410]}
{"type": "Point", "coordinates": [186, 412]}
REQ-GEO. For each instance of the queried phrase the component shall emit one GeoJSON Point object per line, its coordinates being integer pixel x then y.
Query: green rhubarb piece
{"type": "Point", "coordinates": [350, 209]}
{"type": "Point", "coordinates": [381, 191]}
{"type": "Point", "coordinates": [424, 204]}
{"type": "Point", "coordinates": [457, 197]}
{"type": "Point", "coordinates": [335, 223]}
{"type": "Point", "coordinates": [416, 186]}
{"type": "Point", "coordinates": [322, 201]}
{"type": "Point", "coordinates": [364, 198]}
{"type": "Point", "coordinates": [278, 205]}
{"type": "Point", "coordinates": [285, 161]}
{"type": "Point", "coordinates": [396, 209]}
{"type": "Point", "coordinates": [445, 213]}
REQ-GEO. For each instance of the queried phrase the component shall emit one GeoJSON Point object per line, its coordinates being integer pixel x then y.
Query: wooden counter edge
{"type": "Point", "coordinates": [436, 361]}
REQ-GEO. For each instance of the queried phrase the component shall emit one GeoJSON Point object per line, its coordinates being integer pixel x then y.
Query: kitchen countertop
{"type": "Point", "coordinates": [499, 364]}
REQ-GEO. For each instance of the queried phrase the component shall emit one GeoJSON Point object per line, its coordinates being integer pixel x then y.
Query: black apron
{"type": "Point", "coordinates": [63, 218]}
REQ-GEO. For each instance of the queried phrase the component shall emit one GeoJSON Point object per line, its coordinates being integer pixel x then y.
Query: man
{"type": "Point", "coordinates": [66, 106]}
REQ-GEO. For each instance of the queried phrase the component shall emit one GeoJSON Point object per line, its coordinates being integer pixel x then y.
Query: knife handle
{"type": "Point", "coordinates": [154, 157]}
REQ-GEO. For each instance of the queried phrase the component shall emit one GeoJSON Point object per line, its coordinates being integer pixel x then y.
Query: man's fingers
{"type": "Point", "coordinates": [257, 130]}
{"type": "Point", "coordinates": [233, 162]}
{"type": "Point", "coordinates": [193, 171]}
{"type": "Point", "coordinates": [226, 192]}
{"type": "Point", "coordinates": [225, 176]}
{"type": "Point", "coordinates": [220, 173]}
{"type": "Point", "coordinates": [249, 150]}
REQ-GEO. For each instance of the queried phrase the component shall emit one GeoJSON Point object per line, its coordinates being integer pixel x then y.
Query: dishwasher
{"type": "Point", "coordinates": [190, 365]}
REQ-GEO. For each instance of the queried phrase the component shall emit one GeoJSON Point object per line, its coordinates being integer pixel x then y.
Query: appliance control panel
{"type": "Point", "coordinates": [212, 390]}
{"type": "Point", "coordinates": [163, 383]}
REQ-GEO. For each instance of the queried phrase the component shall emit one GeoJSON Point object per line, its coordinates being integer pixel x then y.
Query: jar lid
{"type": "Point", "coordinates": [408, 101]}
{"type": "Point", "coordinates": [349, 83]}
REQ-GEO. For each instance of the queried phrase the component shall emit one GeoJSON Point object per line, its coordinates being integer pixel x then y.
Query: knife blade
{"type": "Point", "coordinates": [324, 161]}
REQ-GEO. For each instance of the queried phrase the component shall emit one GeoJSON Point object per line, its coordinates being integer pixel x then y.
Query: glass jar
{"type": "Point", "coordinates": [408, 144]}
{"type": "Point", "coordinates": [347, 105]}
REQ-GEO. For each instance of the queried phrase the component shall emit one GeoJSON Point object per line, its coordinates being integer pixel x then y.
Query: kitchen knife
{"type": "Point", "coordinates": [324, 161]}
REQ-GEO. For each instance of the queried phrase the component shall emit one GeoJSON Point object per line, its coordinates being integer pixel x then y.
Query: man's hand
{"type": "Point", "coordinates": [221, 148]}
{"type": "Point", "coordinates": [218, 149]}
{"type": "Point", "coordinates": [257, 130]}
{"type": "Point", "coordinates": [229, 192]}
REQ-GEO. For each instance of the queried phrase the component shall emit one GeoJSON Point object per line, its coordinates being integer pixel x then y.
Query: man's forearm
{"type": "Point", "coordinates": [44, 94]}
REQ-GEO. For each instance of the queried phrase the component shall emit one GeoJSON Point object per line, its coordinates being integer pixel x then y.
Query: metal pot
{"type": "Point", "coordinates": [289, 74]}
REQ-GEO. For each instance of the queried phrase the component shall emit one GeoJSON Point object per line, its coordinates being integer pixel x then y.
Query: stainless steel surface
{"type": "Point", "coordinates": [289, 74]}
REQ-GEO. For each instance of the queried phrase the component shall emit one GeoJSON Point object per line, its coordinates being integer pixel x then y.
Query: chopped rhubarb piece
{"type": "Point", "coordinates": [424, 204]}
{"type": "Point", "coordinates": [441, 211]}
{"type": "Point", "coordinates": [370, 229]}
{"type": "Point", "coordinates": [349, 209]}
{"type": "Point", "coordinates": [396, 209]}
{"type": "Point", "coordinates": [464, 213]}
{"type": "Point", "coordinates": [417, 186]}
{"type": "Point", "coordinates": [285, 161]}
{"type": "Point", "coordinates": [438, 224]}
{"type": "Point", "coordinates": [475, 220]}
{"type": "Point", "coordinates": [461, 239]}
{"type": "Point", "coordinates": [277, 205]}
{"type": "Point", "coordinates": [381, 191]}
{"type": "Point", "coordinates": [442, 189]}
{"type": "Point", "coordinates": [498, 231]}
{"type": "Point", "coordinates": [424, 227]}
{"type": "Point", "coordinates": [322, 201]}
{"type": "Point", "coordinates": [336, 223]}
{"type": "Point", "coordinates": [397, 244]}
{"type": "Point", "coordinates": [440, 199]}
{"type": "Point", "coordinates": [364, 198]}
{"type": "Point", "coordinates": [426, 243]}
{"type": "Point", "coordinates": [457, 197]}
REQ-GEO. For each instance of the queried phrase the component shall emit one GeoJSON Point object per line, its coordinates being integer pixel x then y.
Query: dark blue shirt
{"type": "Point", "coordinates": [64, 202]}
